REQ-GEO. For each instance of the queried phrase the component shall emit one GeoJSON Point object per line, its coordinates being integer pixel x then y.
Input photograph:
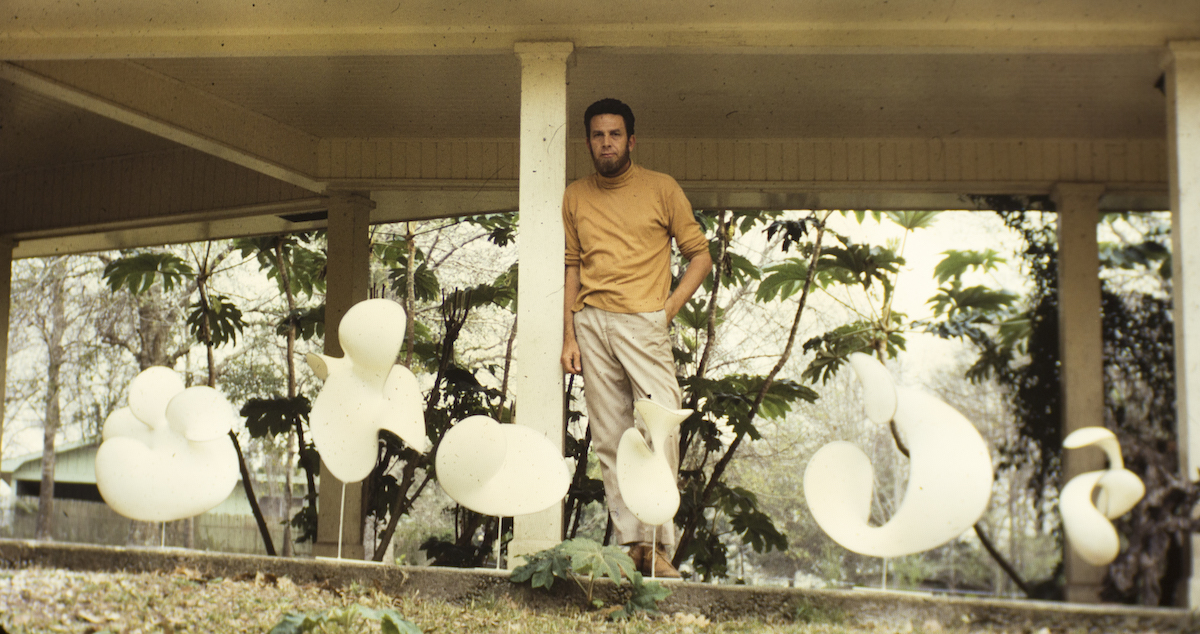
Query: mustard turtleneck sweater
{"type": "Point", "coordinates": [618, 232]}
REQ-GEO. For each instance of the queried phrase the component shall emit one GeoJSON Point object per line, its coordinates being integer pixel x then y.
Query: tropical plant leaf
{"type": "Point", "coordinates": [783, 280]}
{"type": "Point", "coordinates": [754, 526]}
{"type": "Point", "coordinates": [267, 417]}
{"type": "Point", "coordinates": [501, 228]}
{"type": "Point", "coordinates": [913, 220]}
{"type": "Point", "coordinates": [222, 318]}
{"type": "Point", "coordinates": [305, 266]}
{"type": "Point", "coordinates": [595, 561]}
{"type": "Point", "coordinates": [139, 272]}
{"type": "Point", "coordinates": [956, 263]}
{"type": "Point", "coordinates": [542, 568]}
{"type": "Point", "coordinates": [954, 299]}
{"type": "Point", "coordinates": [309, 322]}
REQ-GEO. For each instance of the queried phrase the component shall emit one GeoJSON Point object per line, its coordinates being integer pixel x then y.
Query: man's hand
{"type": "Point", "coordinates": [571, 361]}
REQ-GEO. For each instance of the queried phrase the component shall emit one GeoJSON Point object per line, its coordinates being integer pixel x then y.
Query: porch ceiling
{"type": "Point", "coordinates": [676, 95]}
{"type": "Point", "coordinates": [265, 84]}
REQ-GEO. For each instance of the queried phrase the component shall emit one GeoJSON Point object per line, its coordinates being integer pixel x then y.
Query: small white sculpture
{"type": "Point", "coordinates": [167, 456]}
{"type": "Point", "coordinates": [365, 391]}
{"type": "Point", "coordinates": [500, 470]}
{"type": "Point", "coordinates": [949, 481]}
{"type": "Point", "coordinates": [1089, 531]}
{"type": "Point", "coordinates": [648, 483]}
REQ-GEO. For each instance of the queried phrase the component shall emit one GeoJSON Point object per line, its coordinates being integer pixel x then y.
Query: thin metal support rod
{"type": "Point", "coordinates": [499, 538]}
{"type": "Point", "coordinates": [341, 520]}
{"type": "Point", "coordinates": [162, 540]}
{"type": "Point", "coordinates": [654, 553]}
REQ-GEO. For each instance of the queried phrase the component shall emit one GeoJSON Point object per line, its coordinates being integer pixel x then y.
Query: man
{"type": "Point", "coordinates": [619, 224]}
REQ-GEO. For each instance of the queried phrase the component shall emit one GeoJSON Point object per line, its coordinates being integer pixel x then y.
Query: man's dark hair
{"type": "Point", "coordinates": [608, 106]}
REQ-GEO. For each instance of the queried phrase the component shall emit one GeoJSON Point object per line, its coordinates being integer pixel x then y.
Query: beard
{"type": "Point", "coordinates": [609, 167]}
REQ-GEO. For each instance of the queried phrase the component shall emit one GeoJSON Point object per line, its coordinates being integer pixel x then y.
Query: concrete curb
{"type": "Point", "coordinates": [890, 610]}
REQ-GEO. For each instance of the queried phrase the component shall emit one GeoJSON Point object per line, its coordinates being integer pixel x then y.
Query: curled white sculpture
{"type": "Point", "coordinates": [500, 470]}
{"type": "Point", "coordinates": [949, 482]}
{"type": "Point", "coordinates": [168, 455]}
{"type": "Point", "coordinates": [365, 391]}
{"type": "Point", "coordinates": [1089, 531]}
{"type": "Point", "coordinates": [647, 482]}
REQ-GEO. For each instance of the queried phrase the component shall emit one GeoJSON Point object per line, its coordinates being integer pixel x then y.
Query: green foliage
{"type": "Point", "coordinates": [752, 525]}
{"type": "Point", "coordinates": [832, 349]}
{"type": "Point", "coordinates": [222, 319]}
{"type": "Point", "coordinates": [273, 416]}
{"type": "Point", "coordinates": [501, 228]}
{"type": "Point", "coordinates": [303, 260]}
{"type": "Point", "coordinates": [954, 299]}
{"type": "Point", "coordinates": [957, 263]}
{"type": "Point", "coordinates": [911, 220]}
{"type": "Point", "coordinates": [783, 280]}
{"type": "Point", "coordinates": [861, 264]}
{"type": "Point", "coordinates": [792, 231]}
{"type": "Point", "coordinates": [308, 321]}
{"type": "Point", "coordinates": [138, 272]}
{"type": "Point", "coordinates": [731, 399]}
{"type": "Point", "coordinates": [583, 558]}
{"type": "Point", "coordinates": [394, 255]}
{"type": "Point", "coordinates": [341, 619]}
{"type": "Point", "coordinates": [1148, 254]}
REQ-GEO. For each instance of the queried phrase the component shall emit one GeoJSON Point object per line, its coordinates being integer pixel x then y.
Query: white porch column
{"type": "Point", "coordinates": [540, 251]}
{"type": "Point", "coordinates": [1081, 351]}
{"type": "Point", "coordinates": [6, 250]}
{"type": "Point", "coordinates": [348, 282]}
{"type": "Point", "coordinates": [1183, 148]}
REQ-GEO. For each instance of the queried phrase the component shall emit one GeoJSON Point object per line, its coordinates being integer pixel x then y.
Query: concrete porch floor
{"type": "Point", "coordinates": [900, 611]}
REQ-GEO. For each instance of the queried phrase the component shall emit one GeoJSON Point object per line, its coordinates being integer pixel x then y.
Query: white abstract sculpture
{"type": "Point", "coordinates": [168, 455]}
{"type": "Point", "coordinates": [365, 391]}
{"type": "Point", "coordinates": [949, 482]}
{"type": "Point", "coordinates": [500, 470]}
{"type": "Point", "coordinates": [647, 482]}
{"type": "Point", "coordinates": [1089, 531]}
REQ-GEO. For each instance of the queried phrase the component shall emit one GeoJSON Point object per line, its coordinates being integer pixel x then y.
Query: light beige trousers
{"type": "Point", "coordinates": [626, 357]}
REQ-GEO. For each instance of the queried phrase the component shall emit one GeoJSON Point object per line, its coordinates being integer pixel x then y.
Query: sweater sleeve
{"type": "Point", "coordinates": [684, 228]}
{"type": "Point", "coordinates": [571, 233]}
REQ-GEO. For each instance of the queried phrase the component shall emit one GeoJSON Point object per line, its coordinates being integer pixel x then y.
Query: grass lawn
{"type": "Point", "coordinates": [48, 600]}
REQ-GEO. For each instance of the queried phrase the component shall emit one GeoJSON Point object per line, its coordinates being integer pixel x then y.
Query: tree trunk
{"type": "Point", "coordinates": [53, 334]}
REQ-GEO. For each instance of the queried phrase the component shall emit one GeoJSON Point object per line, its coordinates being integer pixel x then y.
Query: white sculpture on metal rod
{"type": "Point", "coordinates": [365, 391]}
{"type": "Point", "coordinates": [1089, 531]}
{"type": "Point", "coordinates": [949, 482]}
{"type": "Point", "coordinates": [167, 456]}
{"type": "Point", "coordinates": [646, 480]}
{"type": "Point", "coordinates": [500, 470]}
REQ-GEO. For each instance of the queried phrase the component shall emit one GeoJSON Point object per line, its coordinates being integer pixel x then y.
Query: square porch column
{"type": "Point", "coordinates": [6, 251]}
{"type": "Point", "coordinates": [347, 282]}
{"type": "Point", "coordinates": [540, 241]}
{"type": "Point", "coordinates": [1080, 344]}
{"type": "Point", "coordinates": [1183, 148]}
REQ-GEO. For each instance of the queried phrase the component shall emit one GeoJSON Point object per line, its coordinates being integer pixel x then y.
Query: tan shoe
{"type": "Point", "coordinates": [637, 552]}
{"type": "Point", "coordinates": [658, 560]}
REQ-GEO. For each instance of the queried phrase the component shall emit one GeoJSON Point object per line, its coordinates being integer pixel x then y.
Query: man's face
{"type": "Point", "coordinates": [609, 144]}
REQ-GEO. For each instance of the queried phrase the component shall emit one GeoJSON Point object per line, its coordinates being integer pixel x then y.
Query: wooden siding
{"type": "Point", "coordinates": [937, 164]}
{"type": "Point", "coordinates": [428, 159]}
{"type": "Point", "coordinates": [129, 189]}
{"type": "Point", "coordinates": [149, 189]}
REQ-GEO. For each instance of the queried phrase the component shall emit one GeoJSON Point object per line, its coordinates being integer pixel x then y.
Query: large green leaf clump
{"type": "Point", "coordinates": [582, 558]}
